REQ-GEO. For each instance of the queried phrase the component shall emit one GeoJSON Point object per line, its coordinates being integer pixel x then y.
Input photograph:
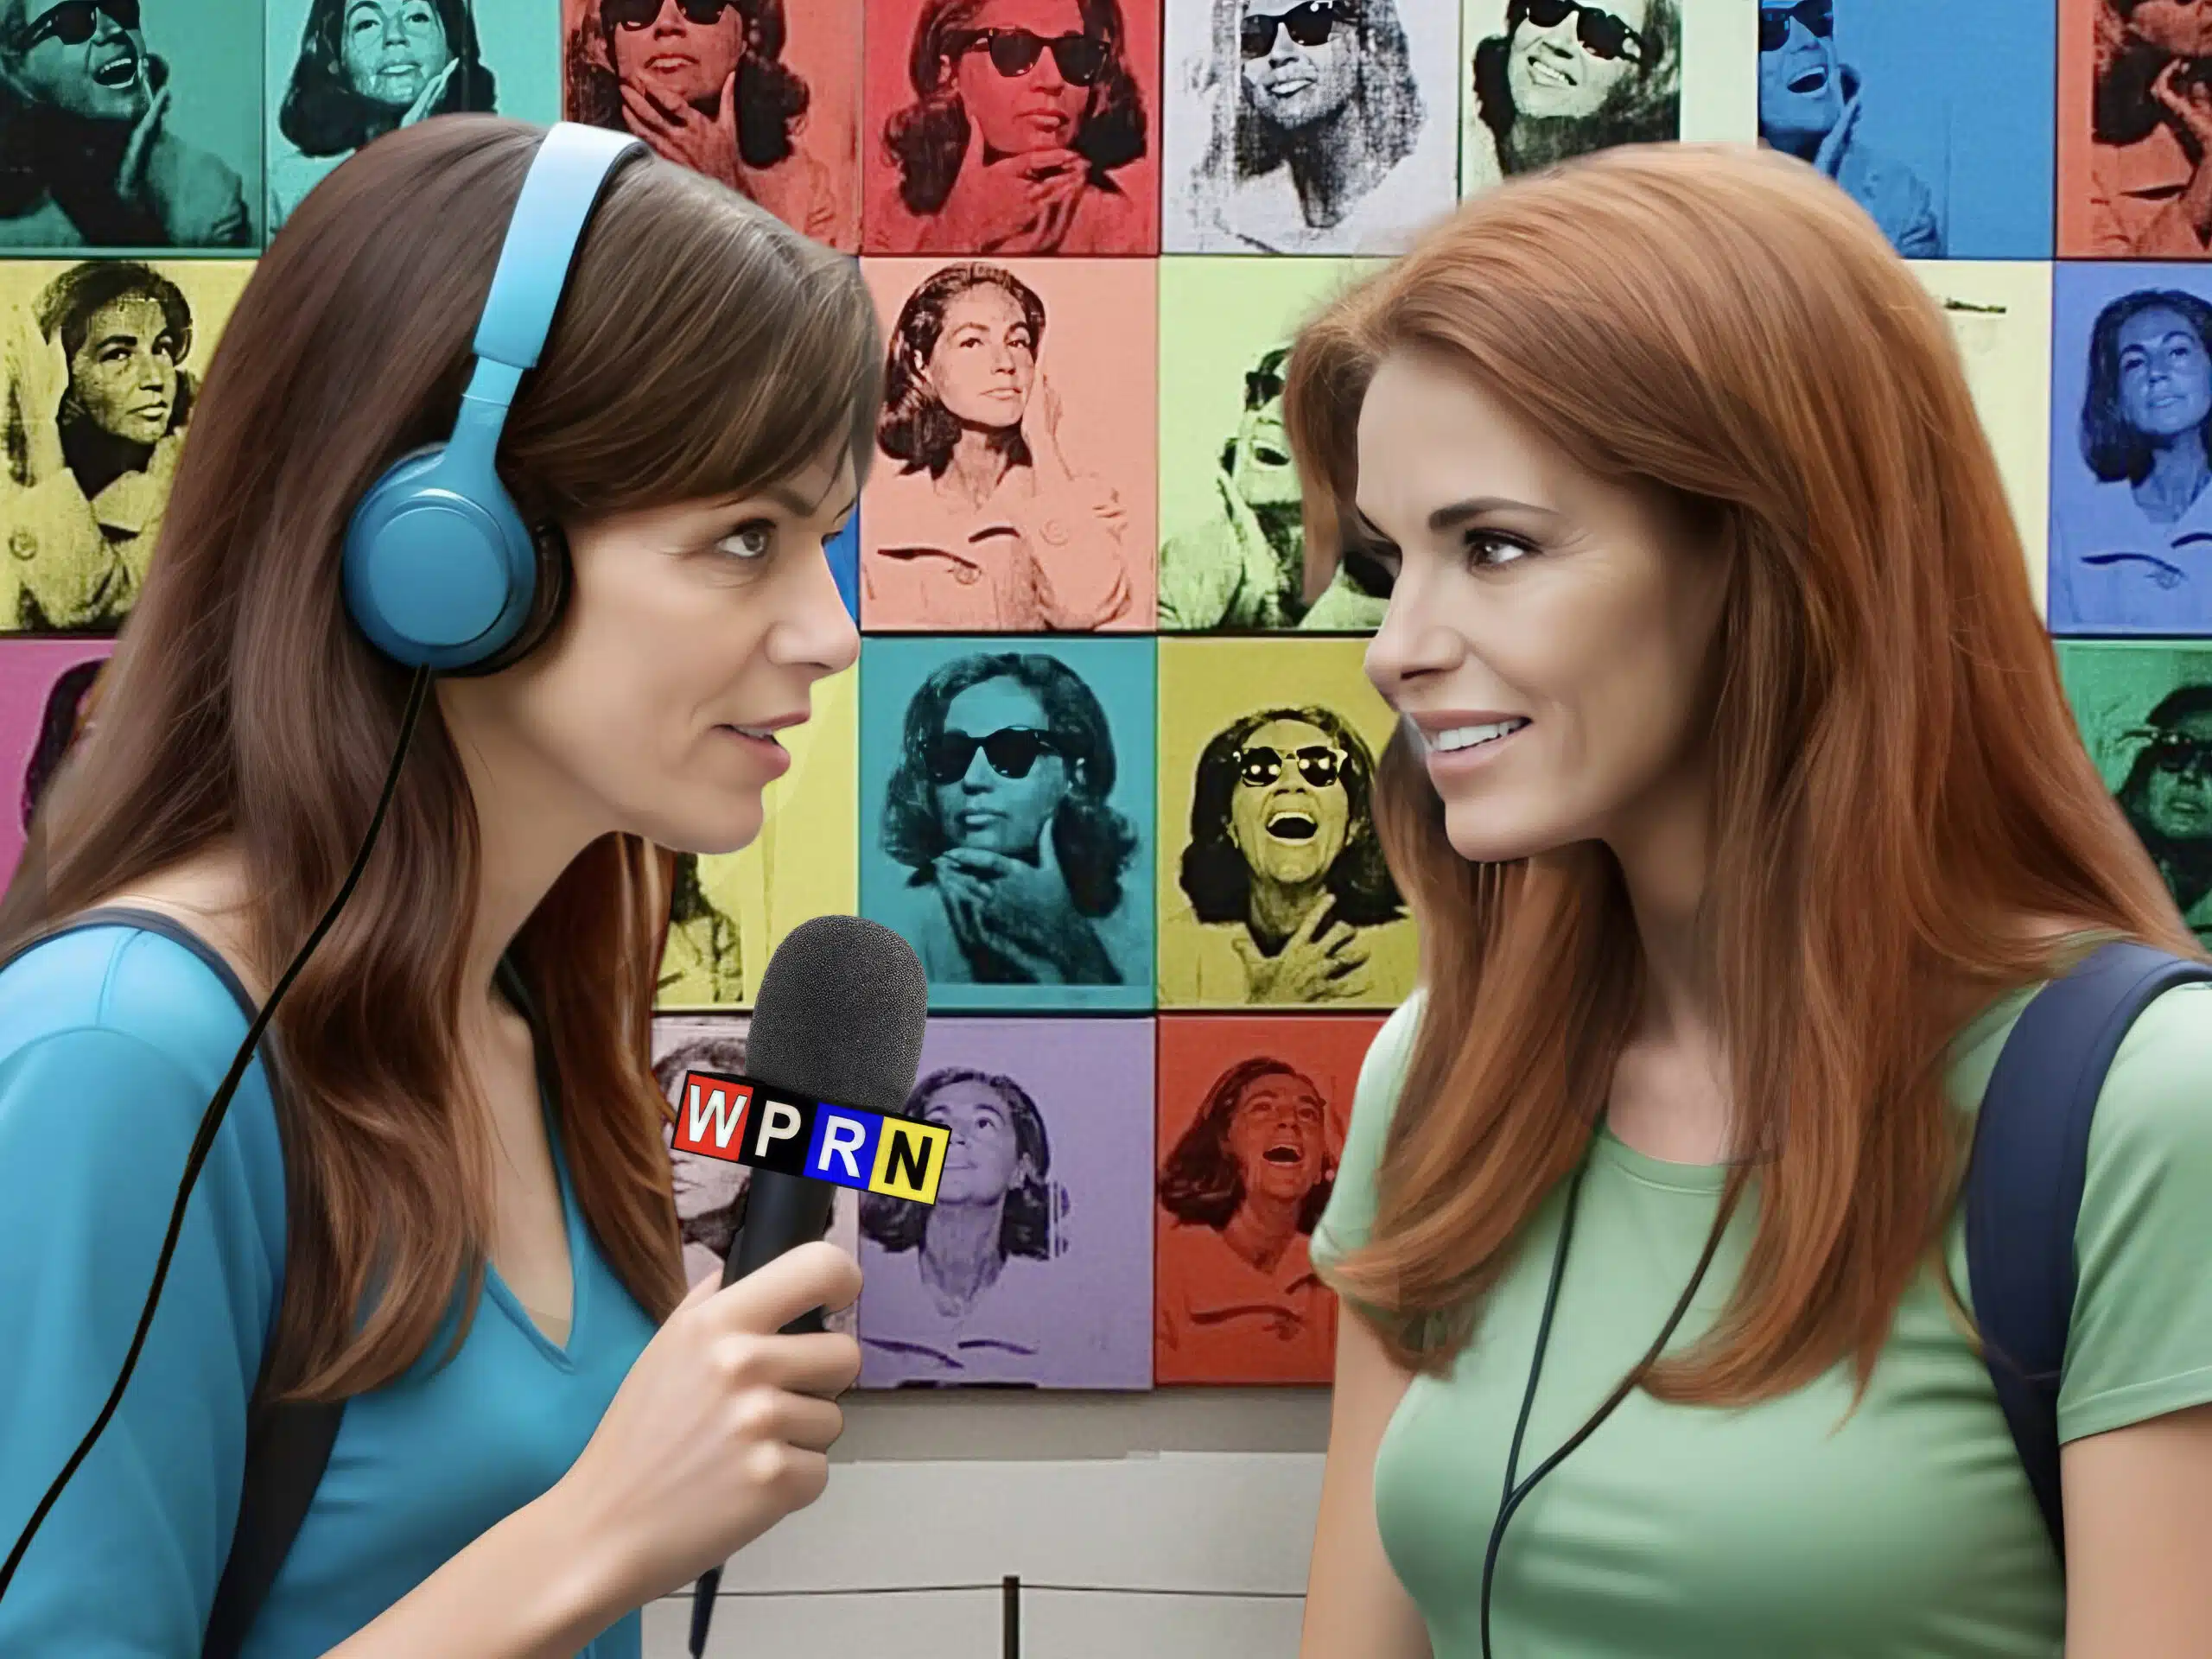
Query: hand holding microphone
{"type": "Point", "coordinates": [720, 1429]}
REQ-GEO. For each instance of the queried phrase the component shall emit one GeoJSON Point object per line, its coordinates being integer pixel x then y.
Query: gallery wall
{"type": "Point", "coordinates": [1130, 1051]}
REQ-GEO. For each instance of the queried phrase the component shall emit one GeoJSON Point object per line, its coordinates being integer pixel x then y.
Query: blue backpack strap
{"type": "Point", "coordinates": [2024, 1180]}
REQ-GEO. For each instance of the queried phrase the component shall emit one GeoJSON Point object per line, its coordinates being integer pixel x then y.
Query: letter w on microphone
{"type": "Point", "coordinates": [749, 1122]}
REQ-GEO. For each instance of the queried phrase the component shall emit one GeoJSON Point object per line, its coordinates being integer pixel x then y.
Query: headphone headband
{"type": "Point", "coordinates": [565, 181]}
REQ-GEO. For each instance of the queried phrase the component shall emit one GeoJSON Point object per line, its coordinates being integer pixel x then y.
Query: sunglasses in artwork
{"type": "Point", "coordinates": [1081, 58]}
{"type": "Point", "coordinates": [1817, 15]}
{"type": "Point", "coordinates": [74, 21]}
{"type": "Point", "coordinates": [1310, 24]}
{"type": "Point", "coordinates": [1602, 34]}
{"type": "Point", "coordinates": [1012, 751]}
{"type": "Point", "coordinates": [1259, 765]}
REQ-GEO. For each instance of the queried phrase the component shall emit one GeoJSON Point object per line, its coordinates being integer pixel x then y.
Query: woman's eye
{"type": "Point", "coordinates": [1488, 547]}
{"type": "Point", "coordinates": [753, 541]}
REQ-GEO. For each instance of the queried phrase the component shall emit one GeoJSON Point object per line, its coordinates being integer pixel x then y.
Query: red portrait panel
{"type": "Point", "coordinates": [1252, 1116]}
{"type": "Point", "coordinates": [1013, 127]}
{"type": "Point", "coordinates": [763, 95]}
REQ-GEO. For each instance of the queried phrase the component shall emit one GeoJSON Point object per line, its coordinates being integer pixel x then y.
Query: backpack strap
{"type": "Point", "coordinates": [288, 1446]}
{"type": "Point", "coordinates": [2023, 1184]}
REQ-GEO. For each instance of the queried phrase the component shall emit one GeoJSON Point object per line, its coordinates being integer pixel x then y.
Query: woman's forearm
{"type": "Point", "coordinates": [539, 1585]}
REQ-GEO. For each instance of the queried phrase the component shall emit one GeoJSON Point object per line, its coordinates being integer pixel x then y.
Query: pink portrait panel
{"type": "Point", "coordinates": [1013, 489]}
{"type": "Point", "coordinates": [1012, 127]}
{"type": "Point", "coordinates": [42, 686]}
{"type": "Point", "coordinates": [658, 69]}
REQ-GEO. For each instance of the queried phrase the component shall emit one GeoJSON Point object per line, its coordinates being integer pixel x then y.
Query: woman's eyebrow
{"type": "Point", "coordinates": [1482, 506]}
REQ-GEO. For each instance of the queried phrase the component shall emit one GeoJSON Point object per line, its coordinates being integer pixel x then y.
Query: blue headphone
{"type": "Point", "coordinates": [440, 569]}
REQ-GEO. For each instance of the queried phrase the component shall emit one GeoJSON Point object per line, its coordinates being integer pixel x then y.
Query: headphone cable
{"type": "Point", "coordinates": [1515, 1496]}
{"type": "Point", "coordinates": [212, 1120]}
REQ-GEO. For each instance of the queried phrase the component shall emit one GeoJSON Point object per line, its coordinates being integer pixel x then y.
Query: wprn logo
{"type": "Point", "coordinates": [748, 1122]}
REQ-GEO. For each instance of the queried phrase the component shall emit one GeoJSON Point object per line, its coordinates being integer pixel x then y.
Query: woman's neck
{"type": "Point", "coordinates": [529, 829]}
{"type": "Point", "coordinates": [1276, 909]}
{"type": "Point", "coordinates": [96, 458]}
{"type": "Point", "coordinates": [1333, 168]}
{"type": "Point", "coordinates": [2178, 476]}
{"type": "Point", "coordinates": [960, 1255]}
{"type": "Point", "coordinates": [1263, 1228]}
{"type": "Point", "coordinates": [1669, 1097]}
{"type": "Point", "coordinates": [981, 460]}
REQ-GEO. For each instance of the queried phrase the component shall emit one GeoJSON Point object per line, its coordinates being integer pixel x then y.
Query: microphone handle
{"type": "Point", "coordinates": [781, 1213]}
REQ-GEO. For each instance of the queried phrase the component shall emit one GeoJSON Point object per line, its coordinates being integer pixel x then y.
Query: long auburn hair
{"type": "Point", "coordinates": [1899, 780]}
{"type": "Point", "coordinates": [702, 348]}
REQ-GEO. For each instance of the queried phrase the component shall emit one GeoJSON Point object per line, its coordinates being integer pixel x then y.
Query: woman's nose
{"type": "Point", "coordinates": [1047, 73]}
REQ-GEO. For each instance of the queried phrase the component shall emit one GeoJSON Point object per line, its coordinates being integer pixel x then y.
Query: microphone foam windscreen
{"type": "Point", "coordinates": [840, 1015]}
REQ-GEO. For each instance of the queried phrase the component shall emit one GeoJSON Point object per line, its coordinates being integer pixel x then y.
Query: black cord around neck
{"type": "Point", "coordinates": [1516, 1496]}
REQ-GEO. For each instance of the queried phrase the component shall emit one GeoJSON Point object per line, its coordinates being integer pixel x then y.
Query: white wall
{"type": "Point", "coordinates": [1204, 1489]}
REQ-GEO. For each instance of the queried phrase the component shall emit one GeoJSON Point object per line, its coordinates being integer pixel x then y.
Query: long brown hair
{"type": "Point", "coordinates": [1900, 782]}
{"type": "Point", "coordinates": [702, 349]}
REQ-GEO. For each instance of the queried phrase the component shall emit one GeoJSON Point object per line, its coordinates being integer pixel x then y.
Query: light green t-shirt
{"type": "Point", "coordinates": [1678, 1532]}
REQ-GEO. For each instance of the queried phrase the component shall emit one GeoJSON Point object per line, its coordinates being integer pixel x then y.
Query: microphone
{"type": "Point", "coordinates": [839, 1017]}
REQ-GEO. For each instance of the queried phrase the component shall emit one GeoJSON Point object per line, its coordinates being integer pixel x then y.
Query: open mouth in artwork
{"type": "Point", "coordinates": [119, 71]}
{"type": "Point", "coordinates": [1293, 823]}
{"type": "Point", "coordinates": [1810, 80]}
{"type": "Point", "coordinates": [1285, 1153]}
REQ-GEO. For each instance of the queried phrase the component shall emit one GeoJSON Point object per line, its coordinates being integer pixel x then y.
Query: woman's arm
{"type": "Point", "coordinates": [538, 1586]}
{"type": "Point", "coordinates": [1073, 528]}
{"type": "Point", "coordinates": [1355, 1606]}
{"type": "Point", "coordinates": [2135, 1404]}
{"type": "Point", "coordinates": [2139, 1539]}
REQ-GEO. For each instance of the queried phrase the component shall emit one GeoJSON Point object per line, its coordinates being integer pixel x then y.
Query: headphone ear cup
{"type": "Point", "coordinates": [548, 603]}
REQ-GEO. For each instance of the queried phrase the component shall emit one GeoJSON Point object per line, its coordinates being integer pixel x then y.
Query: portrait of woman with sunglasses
{"type": "Point", "coordinates": [1560, 78]}
{"type": "Point", "coordinates": [87, 156]}
{"type": "Point", "coordinates": [1288, 898]}
{"type": "Point", "coordinates": [1810, 104]}
{"type": "Point", "coordinates": [984, 524]}
{"type": "Point", "coordinates": [1021, 868]}
{"type": "Point", "coordinates": [704, 82]}
{"type": "Point", "coordinates": [1027, 120]}
{"type": "Point", "coordinates": [2167, 795]}
{"type": "Point", "coordinates": [1327, 127]}
{"type": "Point", "coordinates": [365, 66]}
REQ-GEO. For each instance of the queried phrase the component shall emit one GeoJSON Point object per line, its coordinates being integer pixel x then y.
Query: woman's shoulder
{"type": "Point", "coordinates": [2156, 1104]}
{"type": "Point", "coordinates": [113, 1038]}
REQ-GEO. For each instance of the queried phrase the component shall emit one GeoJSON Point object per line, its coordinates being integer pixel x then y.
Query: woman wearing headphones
{"type": "Point", "coordinates": [453, 1212]}
{"type": "Point", "coordinates": [1741, 814]}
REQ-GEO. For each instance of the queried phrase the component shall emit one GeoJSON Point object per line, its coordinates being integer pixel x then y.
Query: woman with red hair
{"type": "Point", "coordinates": [1741, 812]}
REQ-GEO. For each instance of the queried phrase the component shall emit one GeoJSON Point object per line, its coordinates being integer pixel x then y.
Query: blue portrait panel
{"type": "Point", "coordinates": [340, 72]}
{"type": "Point", "coordinates": [1006, 817]}
{"type": "Point", "coordinates": [1938, 120]}
{"type": "Point", "coordinates": [2131, 415]}
{"type": "Point", "coordinates": [844, 551]}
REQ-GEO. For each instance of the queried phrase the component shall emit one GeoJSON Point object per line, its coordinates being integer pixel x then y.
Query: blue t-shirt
{"type": "Point", "coordinates": [112, 1040]}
